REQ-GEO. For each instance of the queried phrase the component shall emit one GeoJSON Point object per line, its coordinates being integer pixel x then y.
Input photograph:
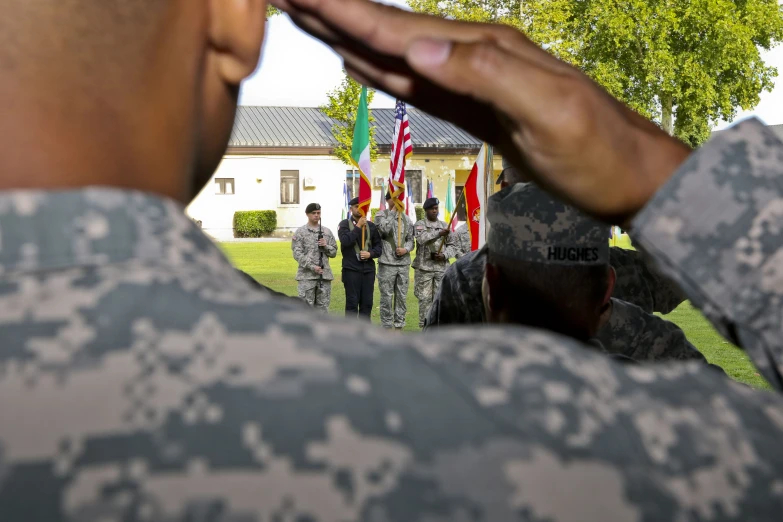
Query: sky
{"type": "Point", "coordinates": [318, 70]}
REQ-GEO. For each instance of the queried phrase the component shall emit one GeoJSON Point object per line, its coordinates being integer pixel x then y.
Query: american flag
{"type": "Point", "coordinates": [401, 149]}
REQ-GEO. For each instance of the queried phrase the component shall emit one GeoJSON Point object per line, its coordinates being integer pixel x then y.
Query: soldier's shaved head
{"type": "Point", "coordinates": [128, 93]}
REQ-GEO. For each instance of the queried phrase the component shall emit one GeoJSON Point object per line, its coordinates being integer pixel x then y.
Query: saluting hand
{"type": "Point", "coordinates": [545, 115]}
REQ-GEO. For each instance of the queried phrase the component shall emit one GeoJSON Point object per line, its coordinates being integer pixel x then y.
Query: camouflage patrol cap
{"type": "Point", "coordinates": [528, 224]}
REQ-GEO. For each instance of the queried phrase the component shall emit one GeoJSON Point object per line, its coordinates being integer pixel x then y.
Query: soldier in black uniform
{"type": "Point", "coordinates": [358, 261]}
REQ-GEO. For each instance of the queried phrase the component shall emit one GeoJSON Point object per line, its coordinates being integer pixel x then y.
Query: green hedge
{"type": "Point", "coordinates": [372, 213]}
{"type": "Point", "coordinates": [419, 213]}
{"type": "Point", "coordinates": [254, 223]}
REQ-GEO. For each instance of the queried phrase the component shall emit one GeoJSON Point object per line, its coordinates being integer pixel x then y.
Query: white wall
{"type": "Point", "coordinates": [216, 211]}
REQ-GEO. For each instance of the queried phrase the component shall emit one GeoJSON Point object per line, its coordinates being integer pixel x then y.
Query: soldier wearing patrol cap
{"type": "Point", "coordinates": [434, 247]}
{"type": "Point", "coordinates": [548, 266]}
{"type": "Point", "coordinates": [313, 245]}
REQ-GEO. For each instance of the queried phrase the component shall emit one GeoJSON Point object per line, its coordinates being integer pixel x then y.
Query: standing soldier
{"type": "Point", "coordinates": [434, 247]}
{"type": "Point", "coordinates": [313, 245]}
{"type": "Point", "coordinates": [358, 261]}
{"type": "Point", "coordinates": [396, 230]}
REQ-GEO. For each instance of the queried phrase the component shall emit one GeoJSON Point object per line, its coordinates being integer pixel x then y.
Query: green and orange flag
{"type": "Point", "coordinates": [360, 152]}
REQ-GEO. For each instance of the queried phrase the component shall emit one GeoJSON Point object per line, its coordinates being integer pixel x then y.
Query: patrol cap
{"type": "Point", "coordinates": [354, 201]}
{"type": "Point", "coordinates": [528, 224]}
{"type": "Point", "coordinates": [388, 196]}
{"type": "Point", "coordinates": [312, 207]}
{"type": "Point", "coordinates": [430, 203]}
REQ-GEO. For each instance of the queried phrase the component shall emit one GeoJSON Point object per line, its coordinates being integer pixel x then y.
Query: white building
{"type": "Point", "coordinates": [280, 158]}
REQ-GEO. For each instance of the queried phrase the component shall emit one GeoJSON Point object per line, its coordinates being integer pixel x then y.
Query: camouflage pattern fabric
{"type": "Point", "coordinates": [143, 378]}
{"type": "Point", "coordinates": [459, 300]}
{"type": "Point", "coordinates": [632, 332]}
{"type": "Point", "coordinates": [428, 241]}
{"type": "Point", "coordinates": [716, 229]}
{"type": "Point", "coordinates": [463, 241]}
{"type": "Point", "coordinates": [386, 221]}
{"type": "Point", "coordinates": [394, 271]}
{"type": "Point", "coordinates": [393, 283]}
{"type": "Point", "coordinates": [320, 299]}
{"type": "Point", "coordinates": [425, 287]}
{"type": "Point", "coordinates": [530, 225]}
{"type": "Point", "coordinates": [304, 245]}
{"type": "Point", "coordinates": [641, 284]}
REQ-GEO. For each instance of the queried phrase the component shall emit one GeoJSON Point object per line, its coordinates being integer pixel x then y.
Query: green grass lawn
{"type": "Point", "coordinates": [273, 265]}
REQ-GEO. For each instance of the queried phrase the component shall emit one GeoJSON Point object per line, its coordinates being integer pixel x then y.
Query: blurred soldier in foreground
{"type": "Point", "coordinates": [143, 378]}
{"type": "Point", "coordinates": [396, 231]}
{"type": "Point", "coordinates": [313, 245]}
{"type": "Point", "coordinates": [459, 298]}
{"type": "Point", "coordinates": [358, 261]}
{"type": "Point", "coordinates": [548, 267]}
{"type": "Point", "coordinates": [434, 247]}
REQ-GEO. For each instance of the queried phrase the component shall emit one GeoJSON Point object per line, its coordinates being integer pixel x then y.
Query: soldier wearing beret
{"type": "Point", "coordinates": [359, 261]}
{"type": "Point", "coordinates": [434, 247]}
{"type": "Point", "coordinates": [312, 246]}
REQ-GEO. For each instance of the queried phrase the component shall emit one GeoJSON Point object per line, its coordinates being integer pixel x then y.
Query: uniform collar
{"type": "Point", "coordinates": [46, 230]}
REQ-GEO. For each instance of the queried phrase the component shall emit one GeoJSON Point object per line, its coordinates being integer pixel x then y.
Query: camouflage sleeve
{"type": "Point", "coordinates": [452, 246]}
{"type": "Point", "coordinates": [331, 244]}
{"type": "Point", "coordinates": [639, 283]}
{"type": "Point", "coordinates": [424, 234]}
{"type": "Point", "coordinates": [634, 333]}
{"type": "Point", "coordinates": [410, 237]}
{"type": "Point", "coordinates": [716, 229]}
{"type": "Point", "coordinates": [445, 305]}
{"type": "Point", "coordinates": [298, 247]}
{"type": "Point", "coordinates": [384, 224]}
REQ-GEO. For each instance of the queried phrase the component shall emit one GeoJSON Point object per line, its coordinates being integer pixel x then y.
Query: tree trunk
{"type": "Point", "coordinates": [666, 113]}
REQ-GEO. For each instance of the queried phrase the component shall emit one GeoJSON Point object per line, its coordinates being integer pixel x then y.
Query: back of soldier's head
{"type": "Point", "coordinates": [136, 94]}
{"type": "Point", "coordinates": [548, 263]}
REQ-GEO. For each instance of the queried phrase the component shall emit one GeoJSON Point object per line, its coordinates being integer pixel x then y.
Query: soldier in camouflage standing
{"type": "Point", "coordinates": [396, 230]}
{"type": "Point", "coordinates": [434, 247]}
{"type": "Point", "coordinates": [315, 281]}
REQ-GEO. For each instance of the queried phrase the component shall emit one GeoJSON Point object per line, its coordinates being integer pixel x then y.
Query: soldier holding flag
{"type": "Point", "coordinates": [434, 247]}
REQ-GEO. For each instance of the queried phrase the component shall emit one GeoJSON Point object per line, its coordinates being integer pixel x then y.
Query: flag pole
{"type": "Point", "coordinates": [451, 221]}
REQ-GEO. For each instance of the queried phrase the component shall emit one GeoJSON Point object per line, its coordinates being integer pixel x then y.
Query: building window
{"type": "Point", "coordinates": [224, 186]}
{"type": "Point", "coordinates": [461, 212]}
{"type": "Point", "coordinates": [352, 178]}
{"type": "Point", "coordinates": [413, 177]}
{"type": "Point", "coordinates": [289, 187]}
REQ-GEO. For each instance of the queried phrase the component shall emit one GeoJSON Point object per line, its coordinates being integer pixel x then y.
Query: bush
{"type": "Point", "coordinates": [419, 213]}
{"type": "Point", "coordinates": [254, 223]}
{"type": "Point", "coordinates": [372, 213]}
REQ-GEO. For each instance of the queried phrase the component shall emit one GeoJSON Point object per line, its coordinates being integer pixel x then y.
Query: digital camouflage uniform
{"type": "Point", "coordinates": [639, 283]}
{"type": "Point", "coordinates": [627, 330]}
{"type": "Point", "coordinates": [393, 271]}
{"type": "Point", "coordinates": [428, 272]}
{"type": "Point", "coordinates": [463, 241]}
{"type": "Point", "coordinates": [142, 378]}
{"type": "Point", "coordinates": [307, 253]}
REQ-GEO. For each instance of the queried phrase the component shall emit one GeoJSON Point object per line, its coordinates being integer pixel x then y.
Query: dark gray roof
{"type": "Point", "coordinates": [307, 127]}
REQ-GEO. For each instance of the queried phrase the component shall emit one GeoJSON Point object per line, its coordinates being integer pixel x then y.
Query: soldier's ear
{"type": "Point", "coordinates": [610, 282]}
{"type": "Point", "coordinates": [489, 291]}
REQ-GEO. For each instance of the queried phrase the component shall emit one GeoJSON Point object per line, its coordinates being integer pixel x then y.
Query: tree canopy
{"type": "Point", "coordinates": [341, 107]}
{"type": "Point", "coordinates": [685, 64]}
